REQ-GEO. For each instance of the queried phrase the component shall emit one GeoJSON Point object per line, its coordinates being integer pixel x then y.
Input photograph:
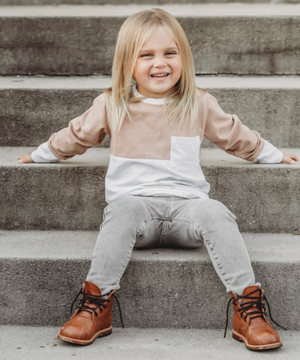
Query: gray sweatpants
{"type": "Point", "coordinates": [149, 222]}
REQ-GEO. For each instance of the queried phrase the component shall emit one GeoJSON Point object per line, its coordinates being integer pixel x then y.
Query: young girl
{"type": "Point", "coordinates": [155, 189]}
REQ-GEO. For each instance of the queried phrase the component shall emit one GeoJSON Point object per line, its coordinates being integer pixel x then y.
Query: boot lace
{"type": "Point", "coordinates": [256, 302]}
{"type": "Point", "coordinates": [97, 300]}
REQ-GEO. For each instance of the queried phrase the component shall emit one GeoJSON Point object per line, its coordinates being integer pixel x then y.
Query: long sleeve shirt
{"type": "Point", "coordinates": [151, 156]}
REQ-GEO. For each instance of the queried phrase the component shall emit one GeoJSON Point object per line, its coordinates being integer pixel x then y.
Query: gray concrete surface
{"type": "Point", "coordinates": [40, 343]}
{"type": "Point", "coordinates": [42, 272]}
{"type": "Point", "coordinates": [265, 198]}
{"type": "Point", "coordinates": [78, 245]}
{"type": "Point", "coordinates": [32, 108]}
{"type": "Point", "coordinates": [97, 83]}
{"type": "Point", "coordinates": [123, 2]}
{"type": "Point", "coordinates": [178, 10]}
{"type": "Point", "coordinates": [59, 43]}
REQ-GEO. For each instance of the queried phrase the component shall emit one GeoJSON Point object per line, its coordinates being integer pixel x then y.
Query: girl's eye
{"type": "Point", "coordinates": [146, 55]}
{"type": "Point", "coordinates": [171, 53]}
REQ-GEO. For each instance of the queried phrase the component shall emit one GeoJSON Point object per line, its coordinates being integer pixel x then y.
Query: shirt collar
{"type": "Point", "coordinates": [152, 101]}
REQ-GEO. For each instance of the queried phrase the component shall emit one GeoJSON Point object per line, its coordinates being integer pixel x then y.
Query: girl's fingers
{"type": "Point", "coordinates": [289, 158]}
{"type": "Point", "coordinates": [294, 157]}
{"type": "Point", "coordinates": [26, 158]}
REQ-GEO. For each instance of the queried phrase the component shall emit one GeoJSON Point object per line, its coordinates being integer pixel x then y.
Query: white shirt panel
{"type": "Point", "coordinates": [149, 177]}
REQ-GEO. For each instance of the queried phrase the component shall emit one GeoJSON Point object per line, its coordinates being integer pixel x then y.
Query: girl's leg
{"type": "Point", "coordinates": [123, 221]}
{"type": "Point", "coordinates": [211, 222]}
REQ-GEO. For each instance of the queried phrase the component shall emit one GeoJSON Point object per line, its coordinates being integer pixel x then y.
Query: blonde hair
{"type": "Point", "coordinates": [181, 101]}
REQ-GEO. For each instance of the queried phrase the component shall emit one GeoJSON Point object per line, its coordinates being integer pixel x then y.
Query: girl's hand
{"type": "Point", "coordinates": [26, 158]}
{"type": "Point", "coordinates": [289, 158]}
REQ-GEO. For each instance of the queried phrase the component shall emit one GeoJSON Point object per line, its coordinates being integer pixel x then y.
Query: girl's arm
{"type": "Point", "coordinates": [82, 133]}
{"type": "Point", "coordinates": [228, 133]}
{"type": "Point", "coordinates": [41, 155]}
{"type": "Point", "coordinates": [271, 155]}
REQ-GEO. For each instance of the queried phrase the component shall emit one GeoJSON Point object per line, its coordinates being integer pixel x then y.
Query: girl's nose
{"type": "Point", "coordinates": [159, 63]}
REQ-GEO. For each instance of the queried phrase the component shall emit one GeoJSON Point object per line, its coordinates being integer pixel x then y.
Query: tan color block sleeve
{"type": "Point", "coordinates": [228, 133]}
{"type": "Point", "coordinates": [82, 133]}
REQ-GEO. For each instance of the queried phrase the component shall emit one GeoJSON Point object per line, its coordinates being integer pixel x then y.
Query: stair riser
{"type": "Point", "coordinates": [29, 117]}
{"type": "Point", "coordinates": [59, 45]}
{"type": "Point", "coordinates": [264, 199]}
{"type": "Point", "coordinates": [182, 298]}
{"type": "Point", "coordinates": [124, 2]}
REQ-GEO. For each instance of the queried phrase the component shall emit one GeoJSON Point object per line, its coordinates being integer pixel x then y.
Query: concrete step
{"type": "Point", "coordinates": [32, 108]}
{"type": "Point", "coordinates": [36, 343]}
{"type": "Point", "coordinates": [265, 198]}
{"type": "Point", "coordinates": [70, 40]}
{"type": "Point", "coordinates": [129, 2]}
{"type": "Point", "coordinates": [42, 273]}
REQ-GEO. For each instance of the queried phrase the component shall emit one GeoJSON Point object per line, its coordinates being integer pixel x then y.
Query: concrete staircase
{"type": "Point", "coordinates": [53, 61]}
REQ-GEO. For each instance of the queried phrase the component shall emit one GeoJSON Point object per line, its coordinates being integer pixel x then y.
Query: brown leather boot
{"type": "Point", "coordinates": [91, 319]}
{"type": "Point", "coordinates": [250, 324]}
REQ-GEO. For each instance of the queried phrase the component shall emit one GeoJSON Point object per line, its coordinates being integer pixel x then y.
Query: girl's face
{"type": "Point", "coordinates": [158, 66]}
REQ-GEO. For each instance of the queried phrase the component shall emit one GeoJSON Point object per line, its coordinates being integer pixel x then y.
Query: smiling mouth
{"type": "Point", "coordinates": [157, 76]}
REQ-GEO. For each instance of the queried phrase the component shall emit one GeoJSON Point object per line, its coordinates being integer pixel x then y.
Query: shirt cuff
{"type": "Point", "coordinates": [43, 154]}
{"type": "Point", "coordinates": [269, 155]}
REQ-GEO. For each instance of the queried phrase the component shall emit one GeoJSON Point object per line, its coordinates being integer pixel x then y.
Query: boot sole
{"type": "Point", "coordinates": [100, 333]}
{"type": "Point", "coordinates": [241, 338]}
